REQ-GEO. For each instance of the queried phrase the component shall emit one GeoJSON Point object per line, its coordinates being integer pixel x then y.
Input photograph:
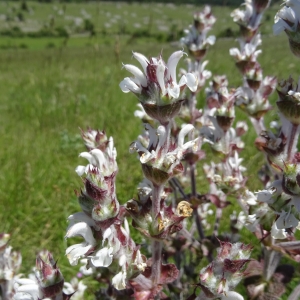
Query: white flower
{"type": "Point", "coordinates": [268, 195]}
{"type": "Point", "coordinates": [160, 156]}
{"type": "Point", "coordinates": [157, 79]}
{"type": "Point", "coordinates": [286, 220]}
{"type": "Point", "coordinates": [139, 262]}
{"type": "Point", "coordinates": [249, 198]}
{"type": "Point", "coordinates": [119, 280]}
{"type": "Point", "coordinates": [75, 252]}
{"type": "Point", "coordinates": [75, 287]}
{"type": "Point", "coordinates": [278, 233]}
{"type": "Point", "coordinates": [103, 257]}
{"type": "Point", "coordinates": [27, 289]}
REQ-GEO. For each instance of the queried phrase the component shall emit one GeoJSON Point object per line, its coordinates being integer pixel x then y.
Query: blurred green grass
{"type": "Point", "coordinates": [47, 93]}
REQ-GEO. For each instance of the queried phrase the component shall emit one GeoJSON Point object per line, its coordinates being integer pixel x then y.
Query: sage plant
{"type": "Point", "coordinates": [168, 265]}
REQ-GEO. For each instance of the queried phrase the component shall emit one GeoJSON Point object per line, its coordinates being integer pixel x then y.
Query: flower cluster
{"type": "Point", "coordinates": [217, 127]}
{"type": "Point", "coordinates": [157, 88]}
{"type": "Point", "coordinates": [159, 156]}
{"type": "Point", "coordinates": [196, 39]}
{"type": "Point", "coordinates": [253, 96]}
{"type": "Point", "coordinates": [106, 242]}
{"type": "Point", "coordinates": [249, 18]}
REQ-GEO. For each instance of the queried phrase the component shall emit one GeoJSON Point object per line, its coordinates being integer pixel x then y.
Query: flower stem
{"type": "Point", "coordinates": [292, 141]}
{"type": "Point", "coordinates": [258, 125]}
{"type": "Point", "coordinates": [156, 262]}
{"type": "Point", "coordinates": [194, 195]}
{"type": "Point", "coordinates": [193, 180]}
{"type": "Point", "coordinates": [156, 245]}
{"type": "Point", "coordinates": [192, 107]}
{"type": "Point", "coordinates": [271, 261]}
{"type": "Point", "coordinates": [156, 198]}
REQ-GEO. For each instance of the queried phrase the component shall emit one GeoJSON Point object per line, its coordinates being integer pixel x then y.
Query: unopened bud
{"type": "Point", "coordinates": [49, 276]}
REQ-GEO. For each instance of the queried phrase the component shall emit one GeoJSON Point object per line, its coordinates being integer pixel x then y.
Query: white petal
{"type": "Point", "coordinates": [264, 196]}
{"type": "Point", "coordinates": [127, 85]}
{"type": "Point", "coordinates": [174, 91]}
{"type": "Point", "coordinates": [235, 52]}
{"type": "Point", "coordinates": [75, 252]}
{"type": "Point", "coordinates": [89, 157]}
{"type": "Point", "coordinates": [24, 281]}
{"type": "Point", "coordinates": [107, 233]}
{"type": "Point", "coordinates": [122, 260]}
{"type": "Point", "coordinates": [160, 75]}
{"type": "Point", "coordinates": [139, 114]}
{"type": "Point", "coordinates": [24, 296]}
{"type": "Point", "coordinates": [99, 157]}
{"type": "Point", "coordinates": [103, 258]}
{"type": "Point", "coordinates": [82, 229]}
{"type": "Point", "coordinates": [118, 281]}
{"type": "Point", "coordinates": [291, 221]}
{"type": "Point", "coordinates": [279, 26]}
{"type": "Point", "coordinates": [192, 82]}
{"type": "Point", "coordinates": [32, 289]}
{"type": "Point", "coordinates": [211, 40]}
{"type": "Point", "coordinates": [286, 220]}
{"type": "Point", "coordinates": [138, 74]}
{"type": "Point", "coordinates": [81, 216]}
{"type": "Point", "coordinates": [183, 132]}
{"type": "Point", "coordinates": [146, 156]}
{"type": "Point", "coordinates": [182, 81]}
{"type": "Point", "coordinates": [172, 64]}
{"type": "Point", "coordinates": [80, 170]}
{"type": "Point", "coordinates": [142, 60]}
{"type": "Point", "coordinates": [161, 132]}
{"type": "Point", "coordinates": [278, 233]}
{"type": "Point", "coordinates": [126, 226]}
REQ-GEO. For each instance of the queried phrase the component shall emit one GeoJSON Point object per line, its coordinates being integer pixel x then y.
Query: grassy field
{"type": "Point", "coordinates": [52, 86]}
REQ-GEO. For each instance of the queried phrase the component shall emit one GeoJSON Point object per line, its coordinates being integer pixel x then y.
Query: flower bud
{"type": "Point", "coordinates": [291, 179]}
{"type": "Point", "coordinates": [49, 276]}
{"type": "Point", "coordinates": [95, 139]}
{"type": "Point", "coordinates": [108, 210]}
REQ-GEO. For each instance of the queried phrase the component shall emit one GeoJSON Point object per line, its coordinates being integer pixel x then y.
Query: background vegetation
{"type": "Point", "coordinates": [52, 84]}
{"type": "Point", "coordinates": [212, 2]}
